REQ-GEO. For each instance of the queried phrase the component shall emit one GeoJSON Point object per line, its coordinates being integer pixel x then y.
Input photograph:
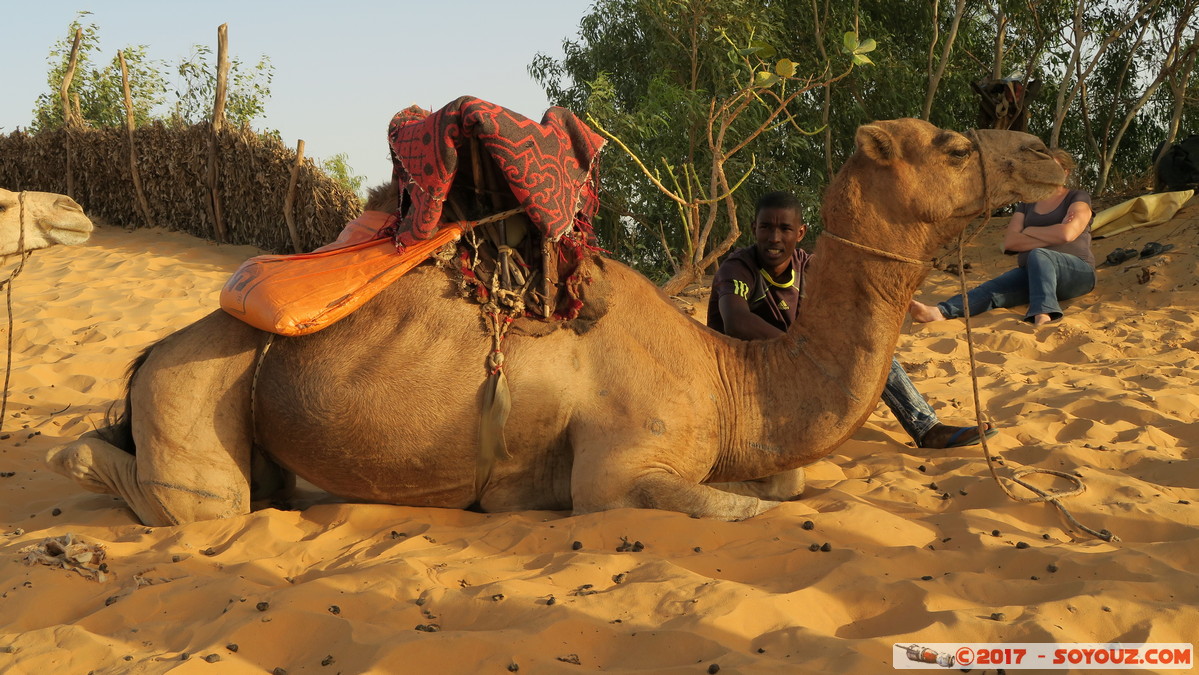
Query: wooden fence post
{"type": "Point", "coordinates": [129, 125]}
{"type": "Point", "coordinates": [289, 201]}
{"type": "Point", "coordinates": [218, 124]}
{"type": "Point", "coordinates": [68, 114]}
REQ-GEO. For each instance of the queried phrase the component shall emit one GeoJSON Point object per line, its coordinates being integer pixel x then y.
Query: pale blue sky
{"type": "Point", "coordinates": [342, 69]}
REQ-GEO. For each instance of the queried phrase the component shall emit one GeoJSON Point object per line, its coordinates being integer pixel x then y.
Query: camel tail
{"type": "Point", "coordinates": [119, 424]}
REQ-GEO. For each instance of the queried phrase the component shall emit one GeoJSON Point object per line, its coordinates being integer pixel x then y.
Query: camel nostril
{"type": "Point", "coordinates": [68, 204]}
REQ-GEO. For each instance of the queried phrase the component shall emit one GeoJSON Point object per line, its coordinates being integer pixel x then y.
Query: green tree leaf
{"type": "Point", "coordinates": [764, 78]}
{"type": "Point", "coordinates": [785, 68]}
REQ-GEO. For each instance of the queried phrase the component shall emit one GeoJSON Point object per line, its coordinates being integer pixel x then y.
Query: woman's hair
{"type": "Point", "coordinates": [1064, 159]}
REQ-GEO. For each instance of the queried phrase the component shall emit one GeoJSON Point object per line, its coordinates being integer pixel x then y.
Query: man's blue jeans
{"type": "Point", "coordinates": [1047, 277]}
{"type": "Point", "coordinates": [909, 407]}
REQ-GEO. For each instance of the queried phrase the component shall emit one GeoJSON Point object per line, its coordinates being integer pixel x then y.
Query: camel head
{"type": "Point", "coordinates": [925, 183]}
{"type": "Point", "coordinates": [47, 219]}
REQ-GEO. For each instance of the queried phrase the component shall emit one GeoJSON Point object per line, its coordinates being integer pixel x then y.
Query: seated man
{"type": "Point", "coordinates": [757, 292]}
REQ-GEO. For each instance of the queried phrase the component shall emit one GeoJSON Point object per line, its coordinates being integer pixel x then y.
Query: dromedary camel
{"type": "Point", "coordinates": [45, 218]}
{"type": "Point", "coordinates": [633, 404]}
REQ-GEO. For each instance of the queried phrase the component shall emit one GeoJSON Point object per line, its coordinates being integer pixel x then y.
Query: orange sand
{"type": "Point", "coordinates": [1109, 392]}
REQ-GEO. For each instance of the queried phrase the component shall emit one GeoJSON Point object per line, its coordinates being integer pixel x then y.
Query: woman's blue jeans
{"type": "Point", "coordinates": [909, 407]}
{"type": "Point", "coordinates": [1046, 278]}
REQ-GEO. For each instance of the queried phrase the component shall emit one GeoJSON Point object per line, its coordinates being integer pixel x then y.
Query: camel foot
{"type": "Point", "coordinates": [98, 466]}
{"type": "Point", "coordinates": [780, 487]}
{"type": "Point", "coordinates": [87, 462]}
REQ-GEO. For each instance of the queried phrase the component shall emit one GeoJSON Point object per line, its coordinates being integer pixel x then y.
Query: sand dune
{"type": "Point", "coordinates": [911, 546]}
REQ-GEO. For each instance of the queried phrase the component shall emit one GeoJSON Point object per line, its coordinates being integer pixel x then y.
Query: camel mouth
{"type": "Point", "coordinates": [70, 236]}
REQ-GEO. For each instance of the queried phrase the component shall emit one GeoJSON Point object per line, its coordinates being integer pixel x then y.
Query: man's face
{"type": "Point", "coordinates": [777, 231]}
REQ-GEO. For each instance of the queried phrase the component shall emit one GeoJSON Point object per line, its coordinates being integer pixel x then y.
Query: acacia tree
{"type": "Point", "coordinates": [245, 100]}
{"type": "Point", "coordinates": [96, 91]}
{"type": "Point", "coordinates": [674, 81]}
{"type": "Point", "coordinates": [1162, 47]}
{"type": "Point", "coordinates": [100, 94]}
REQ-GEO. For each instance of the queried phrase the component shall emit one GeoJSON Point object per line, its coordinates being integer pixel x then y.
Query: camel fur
{"type": "Point", "coordinates": [633, 404]}
{"type": "Point", "coordinates": [46, 219]}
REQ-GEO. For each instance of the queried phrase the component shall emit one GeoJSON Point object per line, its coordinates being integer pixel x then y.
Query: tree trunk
{"type": "Point", "coordinates": [218, 125]}
{"type": "Point", "coordinates": [289, 201]}
{"type": "Point", "coordinates": [143, 205]}
{"type": "Point", "coordinates": [68, 114]}
{"type": "Point", "coordinates": [934, 79]}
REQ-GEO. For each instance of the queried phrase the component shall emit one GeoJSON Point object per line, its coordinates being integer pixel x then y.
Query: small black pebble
{"type": "Point", "coordinates": [994, 533]}
{"type": "Point", "coordinates": [1035, 578]}
{"type": "Point", "coordinates": [1022, 544]}
{"type": "Point", "coordinates": [279, 671]}
{"type": "Point", "coordinates": [327, 660]}
{"type": "Point", "coordinates": [698, 549]}
{"type": "Point", "coordinates": [419, 602]}
{"type": "Point", "coordinates": [212, 658]}
{"type": "Point", "coordinates": [921, 468]}
{"type": "Point", "coordinates": [1045, 536]}
{"type": "Point", "coordinates": [814, 547]}
{"type": "Point", "coordinates": [176, 558]}
{"type": "Point", "coordinates": [713, 669]}
{"type": "Point", "coordinates": [1051, 567]}
{"type": "Point", "coordinates": [56, 512]}
{"type": "Point", "coordinates": [232, 646]}
{"type": "Point", "coordinates": [761, 651]}
{"type": "Point", "coordinates": [127, 658]}
{"type": "Point", "coordinates": [551, 600]}
{"type": "Point", "coordinates": [184, 656]}
{"type": "Point", "coordinates": [1180, 501]}
{"type": "Point", "coordinates": [1106, 608]}
{"type": "Point", "coordinates": [263, 606]}
{"type": "Point", "coordinates": [932, 486]}
{"type": "Point", "coordinates": [963, 492]}
{"type": "Point", "coordinates": [334, 609]}
{"type": "Point", "coordinates": [209, 551]}
{"type": "Point", "coordinates": [926, 578]}
{"type": "Point", "coordinates": [512, 667]}
{"type": "Point", "coordinates": [944, 496]}
{"type": "Point", "coordinates": [618, 578]}
{"type": "Point", "coordinates": [576, 546]}
{"type": "Point", "coordinates": [807, 525]}
{"type": "Point", "coordinates": [998, 616]}
{"type": "Point", "coordinates": [638, 547]}
{"type": "Point", "coordinates": [428, 627]}
{"type": "Point", "coordinates": [826, 547]}
{"type": "Point", "coordinates": [111, 599]}
{"type": "Point", "coordinates": [396, 535]}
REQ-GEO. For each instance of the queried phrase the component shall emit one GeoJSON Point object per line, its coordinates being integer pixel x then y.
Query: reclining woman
{"type": "Point", "coordinates": [1052, 239]}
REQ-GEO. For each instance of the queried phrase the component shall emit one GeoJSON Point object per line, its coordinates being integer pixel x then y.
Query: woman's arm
{"type": "Point", "coordinates": [1012, 237]}
{"type": "Point", "coordinates": [1077, 218]}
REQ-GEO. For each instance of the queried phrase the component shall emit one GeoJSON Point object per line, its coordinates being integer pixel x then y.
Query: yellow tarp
{"type": "Point", "coordinates": [1152, 209]}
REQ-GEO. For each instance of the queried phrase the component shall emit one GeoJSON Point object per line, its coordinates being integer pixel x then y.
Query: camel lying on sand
{"type": "Point", "coordinates": [633, 404]}
{"type": "Point", "coordinates": [45, 219]}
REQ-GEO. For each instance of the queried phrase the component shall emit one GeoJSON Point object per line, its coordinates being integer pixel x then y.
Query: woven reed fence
{"type": "Point", "coordinates": [253, 176]}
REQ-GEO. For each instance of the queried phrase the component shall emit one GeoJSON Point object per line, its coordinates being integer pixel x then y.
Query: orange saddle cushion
{"type": "Point", "coordinates": [303, 293]}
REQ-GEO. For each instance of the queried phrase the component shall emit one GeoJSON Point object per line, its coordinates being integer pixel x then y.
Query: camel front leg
{"type": "Point", "coordinates": [603, 479]}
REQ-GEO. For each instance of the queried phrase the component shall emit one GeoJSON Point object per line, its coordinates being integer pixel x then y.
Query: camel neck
{"type": "Point", "coordinates": [825, 376]}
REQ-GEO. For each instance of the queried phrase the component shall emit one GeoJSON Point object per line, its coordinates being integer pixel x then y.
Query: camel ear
{"type": "Point", "coordinates": [876, 143]}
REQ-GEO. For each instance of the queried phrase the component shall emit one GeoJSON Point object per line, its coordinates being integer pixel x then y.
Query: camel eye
{"type": "Point", "coordinates": [960, 153]}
